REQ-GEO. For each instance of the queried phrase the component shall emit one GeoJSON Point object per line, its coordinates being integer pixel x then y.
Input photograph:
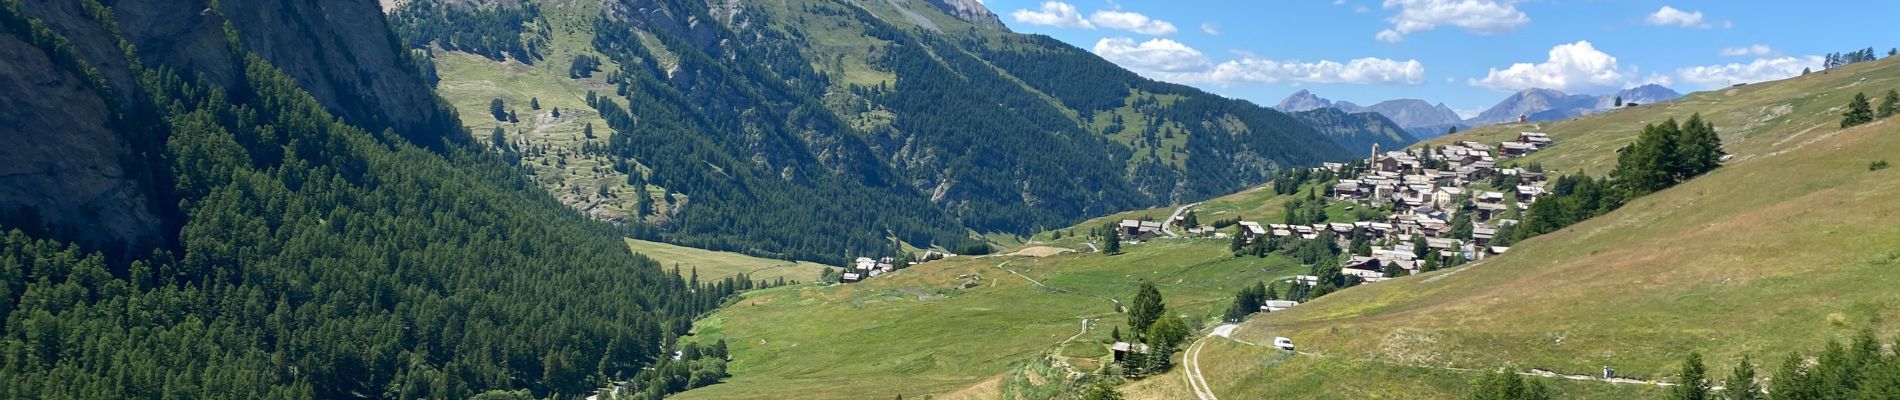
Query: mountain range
{"type": "Point", "coordinates": [1425, 120]}
{"type": "Point", "coordinates": [739, 127]}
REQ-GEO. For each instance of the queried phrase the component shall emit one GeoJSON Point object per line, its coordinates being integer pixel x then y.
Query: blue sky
{"type": "Point", "coordinates": [1466, 53]}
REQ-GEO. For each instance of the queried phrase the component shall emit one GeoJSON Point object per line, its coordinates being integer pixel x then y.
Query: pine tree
{"type": "Point", "coordinates": [1692, 383]}
{"type": "Point", "coordinates": [1741, 383]}
{"type": "Point", "coordinates": [1619, 101]}
{"type": "Point", "coordinates": [1420, 247]}
{"type": "Point", "coordinates": [1888, 104]}
{"type": "Point", "coordinates": [1794, 381]}
{"type": "Point", "coordinates": [1700, 150]}
{"type": "Point", "coordinates": [1102, 391]}
{"type": "Point", "coordinates": [1114, 242]}
{"type": "Point", "coordinates": [498, 109]}
{"type": "Point", "coordinates": [1146, 308]}
{"type": "Point", "coordinates": [1649, 164]}
{"type": "Point", "coordinates": [1858, 112]}
{"type": "Point", "coordinates": [588, 130]}
{"type": "Point", "coordinates": [534, 103]}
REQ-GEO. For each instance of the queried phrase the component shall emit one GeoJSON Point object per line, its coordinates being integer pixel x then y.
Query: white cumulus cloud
{"type": "Point", "coordinates": [1670, 16]}
{"type": "Point", "coordinates": [1752, 50]}
{"type": "Point", "coordinates": [1172, 61]}
{"type": "Point", "coordinates": [1132, 22]}
{"type": "Point", "coordinates": [1053, 13]}
{"type": "Point", "coordinates": [1162, 56]}
{"type": "Point", "coordinates": [1571, 67]}
{"type": "Point", "coordinates": [1484, 17]}
{"type": "Point", "coordinates": [1760, 70]}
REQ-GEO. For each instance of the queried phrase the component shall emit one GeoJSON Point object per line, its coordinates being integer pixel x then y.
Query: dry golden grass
{"type": "Point", "coordinates": [1776, 253]}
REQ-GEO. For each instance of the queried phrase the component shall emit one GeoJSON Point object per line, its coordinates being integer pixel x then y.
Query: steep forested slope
{"type": "Point", "coordinates": [821, 128]}
{"type": "Point", "coordinates": [325, 242]}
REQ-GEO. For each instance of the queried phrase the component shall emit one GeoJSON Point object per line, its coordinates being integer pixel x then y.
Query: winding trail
{"type": "Point", "coordinates": [1191, 362]}
{"type": "Point", "coordinates": [1191, 367]}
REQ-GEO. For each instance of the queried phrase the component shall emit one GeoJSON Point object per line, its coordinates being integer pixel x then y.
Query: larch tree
{"type": "Point", "coordinates": [1741, 383]}
{"type": "Point", "coordinates": [1146, 308]}
{"type": "Point", "coordinates": [1692, 383]}
{"type": "Point", "coordinates": [1858, 112]}
{"type": "Point", "coordinates": [1888, 103]}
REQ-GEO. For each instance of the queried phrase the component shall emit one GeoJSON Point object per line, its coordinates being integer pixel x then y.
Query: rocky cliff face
{"type": "Point", "coordinates": [69, 168]}
{"type": "Point", "coordinates": [969, 10]}
{"type": "Point", "coordinates": [62, 168]}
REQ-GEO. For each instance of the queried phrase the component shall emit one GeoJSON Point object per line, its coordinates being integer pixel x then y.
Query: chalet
{"type": "Point", "coordinates": [1483, 234]}
{"type": "Point", "coordinates": [1139, 230]}
{"type": "Point", "coordinates": [1123, 349]}
{"type": "Point", "coordinates": [1516, 149]}
{"type": "Point", "coordinates": [1362, 262]}
{"type": "Point", "coordinates": [865, 264]}
{"type": "Point", "coordinates": [1305, 280]}
{"type": "Point", "coordinates": [1490, 210]}
{"type": "Point", "coordinates": [850, 277]}
{"type": "Point", "coordinates": [1363, 274]}
{"type": "Point", "coordinates": [1441, 243]}
{"type": "Point", "coordinates": [1528, 193]}
{"type": "Point", "coordinates": [1537, 139]}
{"type": "Point", "coordinates": [1277, 305]}
{"type": "Point", "coordinates": [1347, 190]}
{"type": "Point", "coordinates": [1250, 230]}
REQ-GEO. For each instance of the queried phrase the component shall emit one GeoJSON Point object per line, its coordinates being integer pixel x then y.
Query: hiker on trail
{"type": "Point", "coordinates": [1608, 372]}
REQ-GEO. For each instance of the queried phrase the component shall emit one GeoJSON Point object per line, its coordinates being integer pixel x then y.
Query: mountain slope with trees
{"type": "Point", "coordinates": [323, 246]}
{"type": "Point", "coordinates": [846, 127]}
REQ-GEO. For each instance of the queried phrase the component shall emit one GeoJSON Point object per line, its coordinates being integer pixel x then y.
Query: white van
{"type": "Point", "coordinates": [1283, 343]}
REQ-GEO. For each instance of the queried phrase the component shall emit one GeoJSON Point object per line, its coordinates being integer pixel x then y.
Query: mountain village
{"type": "Point", "coordinates": [1422, 193]}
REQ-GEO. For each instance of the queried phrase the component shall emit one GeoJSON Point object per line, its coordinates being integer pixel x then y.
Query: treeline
{"type": "Point", "coordinates": [500, 32]}
{"type": "Point", "coordinates": [1837, 60]}
{"type": "Point", "coordinates": [319, 260]}
{"type": "Point", "coordinates": [1863, 369]}
{"type": "Point", "coordinates": [1664, 155]}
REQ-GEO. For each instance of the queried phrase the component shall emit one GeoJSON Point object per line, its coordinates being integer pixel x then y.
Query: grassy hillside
{"type": "Point", "coordinates": [1795, 259]}
{"type": "Point", "coordinates": [713, 265]}
{"type": "Point", "coordinates": [1789, 245]}
{"type": "Point", "coordinates": [583, 180]}
{"type": "Point", "coordinates": [1754, 120]}
{"type": "Point", "coordinates": [918, 332]}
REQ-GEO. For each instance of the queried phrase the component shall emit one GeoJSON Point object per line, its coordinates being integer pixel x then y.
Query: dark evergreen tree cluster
{"type": "Point", "coordinates": [1247, 302]}
{"type": "Point", "coordinates": [1861, 111]}
{"type": "Point", "coordinates": [1506, 385]}
{"type": "Point", "coordinates": [583, 66]}
{"type": "Point", "coordinates": [1664, 155]}
{"type": "Point", "coordinates": [1863, 369]}
{"type": "Point", "coordinates": [1837, 60]}
{"type": "Point", "coordinates": [499, 32]}
{"type": "Point", "coordinates": [318, 260]}
{"type": "Point", "coordinates": [1152, 326]}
